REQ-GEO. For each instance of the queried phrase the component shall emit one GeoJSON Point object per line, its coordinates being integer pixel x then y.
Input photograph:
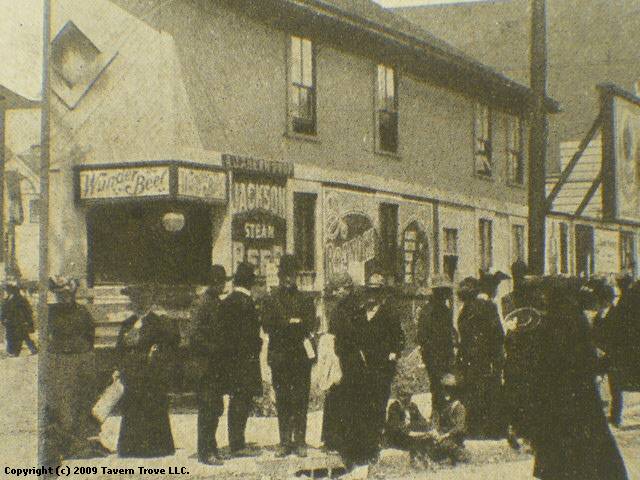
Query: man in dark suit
{"type": "Point", "coordinates": [289, 318]}
{"type": "Point", "coordinates": [239, 318]}
{"type": "Point", "coordinates": [436, 336]}
{"type": "Point", "coordinates": [208, 344]}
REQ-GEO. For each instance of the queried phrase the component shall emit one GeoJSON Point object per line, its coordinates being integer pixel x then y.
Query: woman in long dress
{"type": "Point", "coordinates": [146, 346]}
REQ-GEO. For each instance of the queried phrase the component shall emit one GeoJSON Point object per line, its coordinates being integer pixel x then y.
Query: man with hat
{"type": "Point", "coordinates": [436, 337]}
{"type": "Point", "coordinates": [241, 331]}
{"type": "Point", "coordinates": [209, 346]}
{"type": "Point", "coordinates": [17, 318]}
{"type": "Point", "coordinates": [289, 320]}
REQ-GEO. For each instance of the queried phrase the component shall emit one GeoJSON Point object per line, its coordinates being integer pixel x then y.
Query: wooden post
{"type": "Point", "coordinates": [43, 310]}
{"type": "Point", "coordinates": [538, 138]}
{"type": "Point", "coordinates": [2, 162]}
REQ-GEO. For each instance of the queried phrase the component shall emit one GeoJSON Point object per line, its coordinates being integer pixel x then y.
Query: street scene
{"type": "Point", "coordinates": [276, 239]}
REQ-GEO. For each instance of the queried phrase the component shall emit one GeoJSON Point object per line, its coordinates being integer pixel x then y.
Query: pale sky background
{"type": "Point", "coordinates": [21, 61]}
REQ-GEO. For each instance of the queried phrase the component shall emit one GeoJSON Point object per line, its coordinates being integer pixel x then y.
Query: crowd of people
{"type": "Point", "coordinates": [525, 371]}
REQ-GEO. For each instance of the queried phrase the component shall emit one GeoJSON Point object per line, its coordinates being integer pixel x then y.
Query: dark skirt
{"type": "Point", "coordinates": [145, 430]}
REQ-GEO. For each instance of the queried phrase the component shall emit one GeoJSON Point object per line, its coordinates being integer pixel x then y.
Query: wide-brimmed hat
{"type": "Point", "coordinates": [288, 266]}
{"type": "Point", "coordinates": [449, 380]}
{"type": "Point", "coordinates": [60, 284]}
{"type": "Point", "coordinates": [440, 281]}
{"type": "Point", "coordinates": [340, 280]}
{"type": "Point", "coordinates": [376, 281]}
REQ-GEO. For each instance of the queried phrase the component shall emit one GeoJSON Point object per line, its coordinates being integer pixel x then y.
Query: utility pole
{"type": "Point", "coordinates": [44, 456]}
{"type": "Point", "coordinates": [538, 138]}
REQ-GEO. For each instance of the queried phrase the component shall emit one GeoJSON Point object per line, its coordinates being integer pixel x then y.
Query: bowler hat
{"type": "Point", "coordinates": [469, 285]}
{"type": "Point", "coordinates": [288, 265]}
{"type": "Point", "coordinates": [245, 275]}
{"type": "Point", "coordinates": [217, 275]}
{"type": "Point", "coordinates": [519, 269]}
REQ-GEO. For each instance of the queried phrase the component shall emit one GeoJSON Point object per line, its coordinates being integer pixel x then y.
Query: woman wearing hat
{"type": "Point", "coordinates": [146, 346]}
{"type": "Point", "coordinates": [71, 372]}
{"type": "Point", "coordinates": [480, 357]}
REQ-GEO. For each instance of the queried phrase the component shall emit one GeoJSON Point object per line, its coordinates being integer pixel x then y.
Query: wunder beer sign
{"type": "Point", "coordinates": [124, 183]}
{"type": "Point", "coordinates": [202, 184]}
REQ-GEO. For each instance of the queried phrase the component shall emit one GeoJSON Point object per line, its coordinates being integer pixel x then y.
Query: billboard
{"type": "Point", "coordinates": [627, 158]}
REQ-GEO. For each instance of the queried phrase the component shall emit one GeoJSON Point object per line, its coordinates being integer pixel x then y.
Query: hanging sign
{"type": "Point", "coordinates": [606, 252]}
{"type": "Point", "coordinates": [136, 182]}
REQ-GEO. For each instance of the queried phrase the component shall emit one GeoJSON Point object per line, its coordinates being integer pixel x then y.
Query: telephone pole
{"type": "Point", "coordinates": [44, 455]}
{"type": "Point", "coordinates": [538, 138]}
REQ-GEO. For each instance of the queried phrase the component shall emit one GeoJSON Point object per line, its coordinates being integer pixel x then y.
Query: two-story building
{"type": "Point", "coordinates": [190, 133]}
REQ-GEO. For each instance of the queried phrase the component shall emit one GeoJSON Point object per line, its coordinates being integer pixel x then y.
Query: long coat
{"type": "Point", "coordinates": [436, 336]}
{"type": "Point", "coordinates": [241, 324]}
{"type": "Point", "coordinates": [480, 359]}
{"type": "Point", "coordinates": [573, 440]}
{"type": "Point", "coordinates": [286, 349]}
{"type": "Point", "coordinates": [208, 345]}
{"type": "Point", "coordinates": [17, 315]}
{"type": "Point", "coordinates": [146, 351]}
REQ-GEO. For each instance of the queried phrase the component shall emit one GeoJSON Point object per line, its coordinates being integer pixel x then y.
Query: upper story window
{"type": "Point", "coordinates": [515, 149]}
{"type": "Point", "coordinates": [302, 86]}
{"type": "Point", "coordinates": [387, 110]}
{"type": "Point", "coordinates": [482, 140]}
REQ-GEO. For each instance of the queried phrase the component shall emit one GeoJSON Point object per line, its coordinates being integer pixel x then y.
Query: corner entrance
{"type": "Point", "coordinates": [164, 242]}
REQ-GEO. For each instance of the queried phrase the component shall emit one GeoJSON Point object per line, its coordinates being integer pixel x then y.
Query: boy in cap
{"type": "Point", "coordinates": [289, 319]}
{"type": "Point", "coordinates": [17, 318]}
{"type": "Point", "coordinates": [209, 344]}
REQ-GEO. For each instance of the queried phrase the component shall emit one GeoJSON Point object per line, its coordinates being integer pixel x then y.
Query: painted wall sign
{"type": "Point", "coordinates": [203, 184]}
{"type": "Point", "coordinates": [124, 183]}
{"type": "Point", "coordinates": [627, 159]}
{"type": "Point", "coordinates": [355, 242]}
{"type": "Point", "coordinates": [250, 194]}
{"type": "Point", "coordinates": [257, 166]}
{"type": "Point", "coordinates": [606, 252]}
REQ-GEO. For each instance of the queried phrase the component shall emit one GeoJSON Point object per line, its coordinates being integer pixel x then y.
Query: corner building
{"type": "Point", "coordinates": [197, 132]}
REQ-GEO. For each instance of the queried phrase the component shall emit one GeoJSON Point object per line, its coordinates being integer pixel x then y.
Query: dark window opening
{"type": "Point", "coordinates": [387, 109]}
{"type": "Point", "coordinates": [486, 244]}
{"type": "Point", "coordinates": [564, 248]}
{"type": "Point", "coordinates": [388, 238]}
{"type": "Point", "coordinates": [302, 86]}
{"type": "Point", "coordinates": [304, 212]}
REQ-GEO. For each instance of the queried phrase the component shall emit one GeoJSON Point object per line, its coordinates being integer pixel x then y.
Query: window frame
{"type": "Point", "coordinates": [380, 110]}
{"type": "Point", "coordinates": [487, 152]}
{"type": "Point", "coordinates": [445, 235]}
{"type": "Point", "coordinates": [294, 87]}
{"type": "Point", "coordinates": [516, 165]}
{"type": "Point", "coordinates": [420, 252]}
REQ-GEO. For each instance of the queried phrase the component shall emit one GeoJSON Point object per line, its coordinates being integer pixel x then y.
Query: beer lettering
{"type": "Point", "coordinates": [121, 183]}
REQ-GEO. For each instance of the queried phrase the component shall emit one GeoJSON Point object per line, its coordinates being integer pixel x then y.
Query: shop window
{"type": "Point", "coordinates": [517, 242]}
{"type": "Point", "coordinates": [482, 140]}
{"type": "Point", "coordinates": [302, 88]}
{"type": "Point", "coordinates": [304, 212]}
{"type": "Point", "coordinates": [415, 253]}
{"type": "Point", "coordinates": [515, 150]}
{"type": "Point", "coordinates": [34, 210]}
{"type": "Point", "coordinates": [388, 237]}
{"type": "Point", "coordinates": [486, 244]}
{"type": "Point", "coordinates": [627, 252]}
{"type": "Point", "coordinates": [387, 109]}
{"type": "Point", "coordinates": [564, 248]}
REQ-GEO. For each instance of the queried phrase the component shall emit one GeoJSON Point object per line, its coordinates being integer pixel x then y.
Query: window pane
{"type": "Point", "coordinates": [296, 60]}
{"type": "Point", "coordinates": [307, 63]}
{"type": "Point", "coordinates": [382, 88]}
{"type": "Point", "coordinates": [388, 131]}
{"type": "Point", "coordinates": [390, 90]}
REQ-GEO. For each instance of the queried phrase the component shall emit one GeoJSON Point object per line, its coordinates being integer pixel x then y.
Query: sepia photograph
{"type": "Point", "coordinates": [320, 239]}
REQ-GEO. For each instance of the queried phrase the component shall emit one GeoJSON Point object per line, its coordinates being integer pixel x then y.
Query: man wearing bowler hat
{"type": "Point", "coordinates": [209, 344]}
{"type": "Point", "coordinates": [241, 325]}
{"type": "Point", "coordinates": [289, 318]}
